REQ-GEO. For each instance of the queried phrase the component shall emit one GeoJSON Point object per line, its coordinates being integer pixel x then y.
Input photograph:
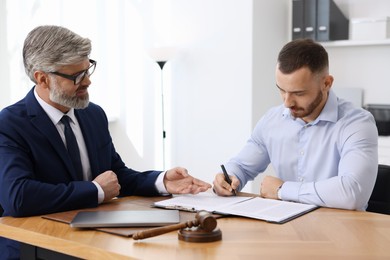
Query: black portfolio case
{"type": "Point", "coordinates": [381, 114]}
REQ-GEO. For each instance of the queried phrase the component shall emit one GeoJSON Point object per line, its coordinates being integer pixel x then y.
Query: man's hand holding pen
{"type": "Point", "coordinates": [222, 187]}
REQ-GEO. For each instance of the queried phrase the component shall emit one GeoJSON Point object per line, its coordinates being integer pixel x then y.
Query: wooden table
{"type": "Point", "coordinates": [321, 234]}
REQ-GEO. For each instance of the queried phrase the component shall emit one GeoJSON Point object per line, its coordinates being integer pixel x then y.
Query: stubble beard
{"type": "Point", "coordinates": [302, 112]}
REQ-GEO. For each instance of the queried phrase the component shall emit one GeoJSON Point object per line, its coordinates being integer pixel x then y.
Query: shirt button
{"type": "Point", "coordinates": [300, 179]}
{"type": "Point", "coordinates": [301, 152]}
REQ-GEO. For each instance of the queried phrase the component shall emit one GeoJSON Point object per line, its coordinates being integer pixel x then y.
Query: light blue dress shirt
{"type": "Point", "coordinates": [330, 162]}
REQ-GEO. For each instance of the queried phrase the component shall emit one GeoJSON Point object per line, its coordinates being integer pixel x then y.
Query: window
{"type": "Point", "coordinates": [126, 81]}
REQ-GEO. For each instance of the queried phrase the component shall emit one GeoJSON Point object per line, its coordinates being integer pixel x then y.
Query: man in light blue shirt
{"type": "Point", "coordinates": [324, 151]}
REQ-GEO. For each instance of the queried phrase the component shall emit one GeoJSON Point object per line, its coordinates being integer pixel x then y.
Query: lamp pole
{"type": "Point", "coordinates": [161, 64]}
{"type": "Point", "coordinates": [161, 55]}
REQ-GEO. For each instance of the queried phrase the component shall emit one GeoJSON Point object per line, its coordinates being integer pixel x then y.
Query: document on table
{"type": "Point", "coordinates": [276, 211]}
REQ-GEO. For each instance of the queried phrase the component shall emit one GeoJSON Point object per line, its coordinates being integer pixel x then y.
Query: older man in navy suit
{"type": "Point", "coordinates": [41, 169]}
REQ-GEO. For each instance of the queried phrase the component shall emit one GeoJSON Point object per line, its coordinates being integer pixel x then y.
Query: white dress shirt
{"type": "Point", "coordinates": [55, 115]}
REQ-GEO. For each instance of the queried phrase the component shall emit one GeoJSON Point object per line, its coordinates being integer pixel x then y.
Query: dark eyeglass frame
{"type": "Point", "coordinates": [79, 76]}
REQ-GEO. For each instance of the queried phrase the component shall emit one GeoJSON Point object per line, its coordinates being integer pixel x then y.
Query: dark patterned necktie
{"type": "Point", "coordinates": [73, 148]}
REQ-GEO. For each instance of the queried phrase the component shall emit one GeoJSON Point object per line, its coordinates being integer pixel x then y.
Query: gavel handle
{"type": "Point", "coordinates": [162, 230]}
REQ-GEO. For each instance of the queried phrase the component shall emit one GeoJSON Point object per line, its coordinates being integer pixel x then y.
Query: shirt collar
{"type": "Point", "coordinates": [330, 110]}
{"type": "Point", "coordinates": [328, 113]}
{"type": "Point", "coordinates": [54, 114]}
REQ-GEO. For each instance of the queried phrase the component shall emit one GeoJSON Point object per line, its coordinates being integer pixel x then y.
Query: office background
{"type": "Point", "coordinates": [217, 84]}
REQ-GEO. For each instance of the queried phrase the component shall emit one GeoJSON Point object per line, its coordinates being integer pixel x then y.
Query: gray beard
{"type": "Point", "coordinates": [59, 97]}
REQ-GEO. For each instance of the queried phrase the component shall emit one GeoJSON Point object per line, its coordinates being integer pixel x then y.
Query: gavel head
{"type": "Point", "coordinates": [206, 221]}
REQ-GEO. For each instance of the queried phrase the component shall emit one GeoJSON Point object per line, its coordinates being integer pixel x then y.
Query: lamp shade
{"type": "Point", "coordinates": [162, 53]}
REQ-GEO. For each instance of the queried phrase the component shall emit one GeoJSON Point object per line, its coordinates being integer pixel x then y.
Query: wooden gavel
{"type": "Point", "coordinates": [203, 219]}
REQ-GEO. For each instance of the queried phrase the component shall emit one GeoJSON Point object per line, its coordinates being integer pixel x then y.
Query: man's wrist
{"type": "Point", "coordinates": [279, 192]}
{"type": "Point", "coordinates": [100, 192]}
{"type": "Point", "coordinates": [160, 186]}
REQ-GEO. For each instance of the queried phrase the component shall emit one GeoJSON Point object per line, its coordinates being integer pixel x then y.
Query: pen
{"type": "Point", "coordinates": [227, 179]}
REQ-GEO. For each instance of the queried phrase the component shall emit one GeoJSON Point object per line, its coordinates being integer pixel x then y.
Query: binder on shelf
{"type": "Point", "coordinates": [331, 23]}
{"type": "Point", "coordinates": [310, 19]}
{"type": "Point", "coordinates": [297, 19]}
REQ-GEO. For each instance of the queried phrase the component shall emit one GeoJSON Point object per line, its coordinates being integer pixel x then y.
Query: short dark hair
{"type": "Point", "coordinates": [302, 53]}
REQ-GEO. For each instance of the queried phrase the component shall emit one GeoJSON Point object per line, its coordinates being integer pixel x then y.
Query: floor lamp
{"type": "Point", "coordinates": [161, 63]}
{"type": "Point", "coordinates": [161, 56]}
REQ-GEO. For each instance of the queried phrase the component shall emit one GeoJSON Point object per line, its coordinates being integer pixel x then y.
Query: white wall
{"type": "Point", "coordinates": [364, 67]}
{"type": "Point", "coordinates": [221, 80]}
{"type": "Point", "coordinates": [210, 80]}
{"type": "Point", "coordinates": [271, 23]}
{"type": "Point", "coordinates": [211, 83]}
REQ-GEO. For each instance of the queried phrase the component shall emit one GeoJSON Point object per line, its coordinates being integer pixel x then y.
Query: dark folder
{"type": "Point", "coordinates": [310, 19]}
{"type": "Point", "coordinates": [297, 19]}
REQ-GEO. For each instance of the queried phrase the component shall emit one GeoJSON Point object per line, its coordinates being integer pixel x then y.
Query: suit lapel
{"type": "Point", "coordinates": [42, 123]}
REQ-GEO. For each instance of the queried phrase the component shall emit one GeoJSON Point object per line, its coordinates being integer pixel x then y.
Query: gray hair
{"type": "Point", "coordinates": [48, 48]}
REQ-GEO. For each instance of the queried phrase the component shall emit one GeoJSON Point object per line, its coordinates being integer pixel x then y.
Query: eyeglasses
{"type": "Point", "coordinates": [79, 76]}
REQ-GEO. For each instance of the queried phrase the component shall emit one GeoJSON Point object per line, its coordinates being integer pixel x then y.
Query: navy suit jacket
{"type": "Point", "coordinates": [36, 175]}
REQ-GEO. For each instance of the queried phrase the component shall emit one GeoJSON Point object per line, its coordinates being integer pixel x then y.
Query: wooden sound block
{"type": "Point", "coordinates": [199, 235]}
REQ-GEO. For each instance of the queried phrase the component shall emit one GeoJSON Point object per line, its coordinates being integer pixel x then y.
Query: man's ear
{"type": "Point", "coordinates": [328, 82]}
{"type": "Point", "coordinates": [42, 79]}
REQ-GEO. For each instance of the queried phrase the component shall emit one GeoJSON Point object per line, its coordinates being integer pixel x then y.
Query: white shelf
{"type": "Point", "coordinates": [355, 9]}
{"type": "Point", "coordinates": [350, 43]}
{"type": "Point", "coordinates": [364, 8]}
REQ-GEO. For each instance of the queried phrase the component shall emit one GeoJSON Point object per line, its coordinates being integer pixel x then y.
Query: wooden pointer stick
{"type": "Point", "coordinates": [203, 219]}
